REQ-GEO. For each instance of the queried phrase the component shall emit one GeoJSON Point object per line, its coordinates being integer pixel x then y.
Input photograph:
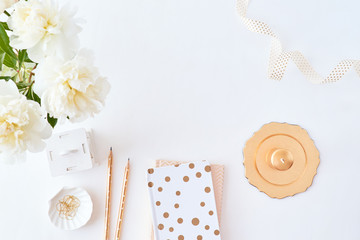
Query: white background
{"type": "Point", "coordinates": [189, 83]}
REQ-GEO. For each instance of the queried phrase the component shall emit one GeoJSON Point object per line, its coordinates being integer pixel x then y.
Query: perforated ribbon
{"type": "Point", "coordinates": [279, 58]}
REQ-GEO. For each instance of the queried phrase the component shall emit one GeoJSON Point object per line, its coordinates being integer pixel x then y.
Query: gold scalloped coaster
{"type": "Point", "coordinates": [281, 159]}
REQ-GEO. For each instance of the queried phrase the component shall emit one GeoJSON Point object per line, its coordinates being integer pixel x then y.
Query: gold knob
{"type": "Point", "coordinates": [281, 159]}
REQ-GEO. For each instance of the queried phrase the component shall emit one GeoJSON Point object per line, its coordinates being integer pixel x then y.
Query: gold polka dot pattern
{"type": "Point", "coordinates": [184, 202]}
{"type": "Point", "coordinates": [217, 172]}
{"type": "Point", "coordinates": [195, 221]}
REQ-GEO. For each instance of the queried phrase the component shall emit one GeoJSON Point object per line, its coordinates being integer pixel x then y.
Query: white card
{"type": "Point", "coordinates": [183, 202]}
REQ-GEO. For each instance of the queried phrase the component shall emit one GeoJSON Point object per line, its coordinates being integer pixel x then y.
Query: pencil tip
{"type": "Point", "coordinates": [110, 148]}
{"type": "Point", "coordinates": [128, 159]}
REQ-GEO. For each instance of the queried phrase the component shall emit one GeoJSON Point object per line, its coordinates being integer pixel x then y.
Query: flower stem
{"type": "Point", "coordinates": [31, 73]}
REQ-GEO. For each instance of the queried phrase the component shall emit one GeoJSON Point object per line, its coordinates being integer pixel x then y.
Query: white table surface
{"type": "Point", "coordinates": [189, 83]}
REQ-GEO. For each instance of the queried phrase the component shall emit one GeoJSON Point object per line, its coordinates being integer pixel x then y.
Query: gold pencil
{"type": "Point", "coordinates": [108, 196]}
{"type": "Point", "coordinates": [122, 201]}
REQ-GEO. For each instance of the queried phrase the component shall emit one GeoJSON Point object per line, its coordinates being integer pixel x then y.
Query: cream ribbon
{"type": "Point", "coordinates": [279, 59]}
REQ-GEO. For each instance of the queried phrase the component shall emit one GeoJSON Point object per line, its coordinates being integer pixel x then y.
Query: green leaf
{"type": "Point", "coordinates": [7, 78]}
{"type": "Point", "coordinates": [5, 25]}
{"type": "Point", "coordinates": [5, 43]}
{"type": "Point", "coordinates": [2, 57]}
{"type": "Point", "coordinates": [22, 85]}
{"type": "Point", "coordinates": [52, 121]}
{"type": "Point", "coordinates": [27, 59]}
{"type": "Point", "coordinates": [10, 62]}
{"type": "Point", "coordinates": [22, 56]}
{"type": "Point", "coordinates": [31, 95]}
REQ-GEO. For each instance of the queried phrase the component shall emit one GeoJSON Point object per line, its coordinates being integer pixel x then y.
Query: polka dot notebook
{"type": "Point", "coordinates": [183, 202]}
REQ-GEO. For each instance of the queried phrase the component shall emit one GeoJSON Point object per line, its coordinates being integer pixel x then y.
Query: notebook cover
{"type": "Point", "coordinates": [183, 202]}
{"type": "Point", "coordinates": [217, 173]}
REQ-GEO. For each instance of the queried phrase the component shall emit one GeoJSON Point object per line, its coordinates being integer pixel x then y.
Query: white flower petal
{"type": "Point", "coordinates": [22, 124]}
{"type": "Point", "coordinates": [44, 29]}
{"type": "Point", "coordinates": [4, 4]}
{"type": "Point", "coordinates": [71, 89]}
{"type": "Point", "coordinates": [8, 88]}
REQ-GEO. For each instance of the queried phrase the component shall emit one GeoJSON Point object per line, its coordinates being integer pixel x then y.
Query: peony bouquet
{"type": "Point", "coordinates": [44, 76]}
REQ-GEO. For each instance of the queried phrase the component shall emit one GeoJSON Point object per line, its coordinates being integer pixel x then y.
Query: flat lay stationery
{"type": "Point", "coordinates": [217, 173]}
{"type": "Point", "coordinates": [120, 217]}
{"type": "Point", "coordinates": [108, 195]}
{"type": "Point", "coordinates": [108, 204]}
{"type": "Point", "coordinates": [183, 202]}
{"type": "Point", "coordinates": [186, 84]}
{"type": "Point", "coordinates": [70, 208]}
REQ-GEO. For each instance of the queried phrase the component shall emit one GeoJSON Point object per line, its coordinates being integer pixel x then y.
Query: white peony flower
{"type": "Point", "coordinates": [44, 29]}
{"type": "Point", "coordinates": [71, 89]}
{"type": "Point", "coordinates": [5, 4]}
{"type": "Point", "coordinates": [22, 124]}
